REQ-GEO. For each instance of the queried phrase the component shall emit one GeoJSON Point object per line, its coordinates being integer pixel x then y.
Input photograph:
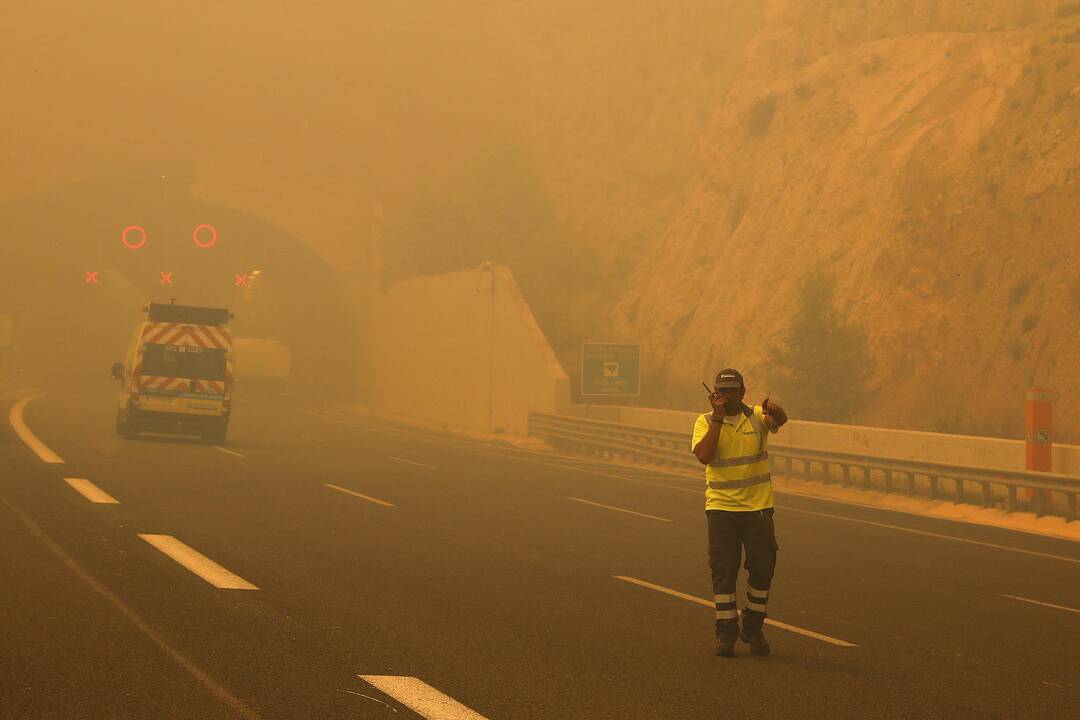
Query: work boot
{"type": "Point", "coordinates": [751, 632]}
{"type": "Point", "coordinates": [727, 632]}
{"type": "Point", "coordinates": [725, 647]}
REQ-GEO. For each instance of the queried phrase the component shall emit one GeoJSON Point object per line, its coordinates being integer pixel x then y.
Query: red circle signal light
{"type": "Point", "coordinates": [211, 242]}
{"type": "Point", "coordinates": [128, 230]}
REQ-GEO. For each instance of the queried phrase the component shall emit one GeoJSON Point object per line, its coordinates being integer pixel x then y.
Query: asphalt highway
{"type": "Point", "coordinates": [321, 565]}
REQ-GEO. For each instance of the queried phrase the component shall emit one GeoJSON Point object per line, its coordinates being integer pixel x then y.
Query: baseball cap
{"type": "Point", "coordinates": [729, 378]}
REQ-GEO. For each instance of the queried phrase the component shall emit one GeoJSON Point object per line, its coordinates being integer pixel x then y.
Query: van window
{"type": "Point", "coordinates": [184, 361]}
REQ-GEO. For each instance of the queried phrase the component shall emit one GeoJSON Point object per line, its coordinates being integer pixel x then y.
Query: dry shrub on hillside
{"type": "Point", "coordinates": [761, 115]}
{"type": "Point", "coordinates": [736, 210]}
{"type": "Point", "coordinates": [1067, 9]}
{"type": "Point", "coordinates": [871, 66]}
{"type": "Point", "coordinates": [823, 363]}
{"type": "Point", "coordinates": [1020, 290]}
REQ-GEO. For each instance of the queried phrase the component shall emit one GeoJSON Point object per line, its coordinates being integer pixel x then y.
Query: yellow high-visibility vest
{"type": "Point", "coordinates": [738, 476]}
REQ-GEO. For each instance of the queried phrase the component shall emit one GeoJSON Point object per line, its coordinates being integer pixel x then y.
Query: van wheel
{"type": "Point", "coordinates": [127, 424]}
{"type": "Point", "coordinates": [217, 437]}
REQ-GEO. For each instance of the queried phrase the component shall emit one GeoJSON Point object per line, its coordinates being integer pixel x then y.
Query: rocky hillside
{"type": "Point", "coordinates": [927, 152]}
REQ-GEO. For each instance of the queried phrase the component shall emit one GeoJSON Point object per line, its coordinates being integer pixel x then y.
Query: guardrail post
{"type": "Point", "coordinates": [911, 483]}
{"type": "Point", "coordinates": [866, 477]}
{"type": "Point", "coordinates": [985, 494]}
{"type": "Point", "coordinates": [825, 472]}
{"type": "Point", "coordinates": [1010, 498]}
{"type": "Point", "coordinates": [933, 487]}
{"type": "Point", "coordinates": [888, 481]}
{"type": "Point", "coordinates": [788, 461]}
{"type": "Point", "coordinates": [847, 475]}
{"type": "Point", "coordinates": [1070, 513]}
{"type": "Point", "coordinates": [959, 491]}
{"type": "Point", "coordinates": [1040, 503]}
{"type": "Point", "coordinates": [806, 469]}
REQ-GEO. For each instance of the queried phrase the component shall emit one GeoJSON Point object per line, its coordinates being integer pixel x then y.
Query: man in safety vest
{"type": "Point", "coordinates": [732, 442]}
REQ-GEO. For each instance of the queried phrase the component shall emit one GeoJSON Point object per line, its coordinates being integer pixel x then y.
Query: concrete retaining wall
{"type": "Point", "coordinates": [463, 349]}
{"type": "Point", "coordinates": [911, 444]}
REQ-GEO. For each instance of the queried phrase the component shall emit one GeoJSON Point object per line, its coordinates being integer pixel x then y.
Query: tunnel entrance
{"type": "Point", "coordinates": [82, 261]}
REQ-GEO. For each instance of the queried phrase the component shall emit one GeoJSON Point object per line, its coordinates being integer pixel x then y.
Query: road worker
{"type": "Point", "coordinates": [731, 441]}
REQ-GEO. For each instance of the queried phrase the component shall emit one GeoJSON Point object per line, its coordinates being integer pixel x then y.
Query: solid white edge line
{"type": "Point", "coordinates": [227, 450]}
{"type": "Point", "coordinates": [1040, 602]}
{"type": "Point", "coordinates": [421, 698]}
{"type": "Point", "coordinates": [91, 492]}
{"type": "Point", "coordinates": [784, 508]}
{"type": "Point", "coordinates": [356, 494]}
{"type": "Point", "coordinates": [15, 417]}
{"type": "Point", "coordinates": [788, 508]}
{"type": "Point", "coordinates": [711, 604]}
{"type": "Point", "coordinates": [198, 563]}
{"type": "Point", "coordinates": [412, 462]}
{"type": "Point", "coordinates": [618, 509]}
{"type": "Point", "coordinates": [931, 534]}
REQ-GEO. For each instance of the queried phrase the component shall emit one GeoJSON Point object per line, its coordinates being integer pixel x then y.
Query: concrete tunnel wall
{"type": "Point", "coordinates": [464, 350]}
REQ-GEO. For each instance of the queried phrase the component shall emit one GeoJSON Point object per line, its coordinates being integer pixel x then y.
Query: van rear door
{"type": "Point", "coordinates": [178, 361]}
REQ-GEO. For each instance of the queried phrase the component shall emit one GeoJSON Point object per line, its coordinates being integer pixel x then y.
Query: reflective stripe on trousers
{"type": "Point", "coordinates": [756, 599]}
{"type": "Point", "coordinates": [725, 606]}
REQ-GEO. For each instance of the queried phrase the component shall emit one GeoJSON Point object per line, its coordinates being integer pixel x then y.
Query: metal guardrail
{"type": "Point", "coordinates": [1053, 492]}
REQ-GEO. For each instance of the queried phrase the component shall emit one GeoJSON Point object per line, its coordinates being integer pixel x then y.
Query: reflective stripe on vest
{"type": "Point", "coordinates": [745, 482]}
{"type": "Point", "coordinates": [732, 465]}
{"type": "Point", "coordinates": [744, 460]}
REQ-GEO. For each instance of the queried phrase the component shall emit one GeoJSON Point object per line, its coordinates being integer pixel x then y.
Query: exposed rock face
{"type": "Point", "coordinates": [929, 153]}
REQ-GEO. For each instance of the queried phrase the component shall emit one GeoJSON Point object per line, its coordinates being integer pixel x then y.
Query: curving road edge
{"type": "Point", "coordinates": [31, 440]}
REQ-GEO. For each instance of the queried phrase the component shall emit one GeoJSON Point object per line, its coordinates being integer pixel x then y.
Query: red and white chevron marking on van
{"type": "Point", "coordinates": [206, 336]}
{"type": "Point", "coordinates": [155, 382]}
{"type": "Point", "coordinates": [164, 333]}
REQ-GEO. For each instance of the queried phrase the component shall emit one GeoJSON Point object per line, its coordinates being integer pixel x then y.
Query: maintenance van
{"type": "Point", "coordinates": [178, 374]}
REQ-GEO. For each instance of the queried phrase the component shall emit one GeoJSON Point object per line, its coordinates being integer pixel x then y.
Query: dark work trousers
{"type": "Point", "coordinates": [729, 533]}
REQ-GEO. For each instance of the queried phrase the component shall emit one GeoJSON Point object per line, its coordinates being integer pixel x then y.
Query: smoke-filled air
{"type": "Point", "coordinates": [377, 359]}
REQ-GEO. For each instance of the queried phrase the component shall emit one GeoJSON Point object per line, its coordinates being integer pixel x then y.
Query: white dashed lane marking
{"type": "Point", "coordinates": [412, 462]}
{"type": "Point", "coordinates": [421, 698]}
{"type": "Point", "coordinates": [711, 604]}
{"type": "Point", "coordinates": [241, 710]}
{"type": "Point", "coordinates": [619, 509]}
{"type": "Point", "coordinates": [91, 492]}
{"type": "Point", "coordinates": [198, 563]}
{"type": "Point", "coordinates": [362, 497]}
{"type": "Point", "coordinates": [227, 450]}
